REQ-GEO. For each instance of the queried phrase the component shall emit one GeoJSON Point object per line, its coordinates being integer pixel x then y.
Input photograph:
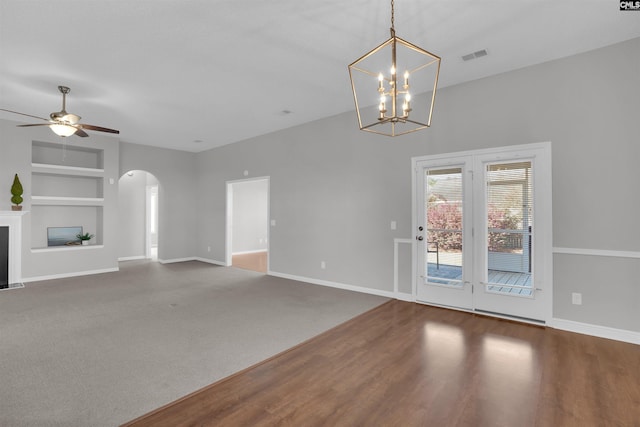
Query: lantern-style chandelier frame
{"type": "Point", "coordinates": [403, 107]}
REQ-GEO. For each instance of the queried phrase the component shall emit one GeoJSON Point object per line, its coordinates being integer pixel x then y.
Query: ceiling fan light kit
{"type": "Point", "coordinates": [63, 130]}
{"type": "Point", "coordinates": [405, 103]}
{"type": "Point", "coordinates": [62, 123]}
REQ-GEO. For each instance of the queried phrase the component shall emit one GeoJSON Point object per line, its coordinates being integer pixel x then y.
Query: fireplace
{"type": "Point", "coordinates": [4, 257]}
{"type": "Point", "coordinates": [11, 249]}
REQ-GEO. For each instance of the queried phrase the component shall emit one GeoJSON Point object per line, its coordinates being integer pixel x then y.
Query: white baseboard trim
{"type": "Point", "coordinates": [257, 251]}
{"type": "Point", "coordinates": [132, 258]}
{"type": "Point", "coordinates": [337, 285]}
{"type": "Point", "coordinates": [171, 261]}
{"type": "Point", "coordinates": [211, 261]}
{"type": "Point", "coordinates": [65, 275]}
{"type": "Point", "coordinates": [596, 330]}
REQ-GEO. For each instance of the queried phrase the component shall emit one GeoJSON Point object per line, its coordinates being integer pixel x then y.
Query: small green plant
{"type": "Point", "coordinates": [85, 236]}
{"type": "Point", "coordinates": [16, 191]}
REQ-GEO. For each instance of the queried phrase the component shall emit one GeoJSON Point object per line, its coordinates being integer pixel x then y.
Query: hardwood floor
{"type": "Point", "coordinates": [256, 261]}
{"type": "Point", "coordinates": [405, 364]}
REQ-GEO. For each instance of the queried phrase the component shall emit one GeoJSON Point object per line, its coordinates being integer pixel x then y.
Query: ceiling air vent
{"type": "Point", "coordinates": [474, 55]}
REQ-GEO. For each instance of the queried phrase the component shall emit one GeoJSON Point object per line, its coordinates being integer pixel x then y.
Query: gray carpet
{"type": "Point", "coordinates": [101, 350]}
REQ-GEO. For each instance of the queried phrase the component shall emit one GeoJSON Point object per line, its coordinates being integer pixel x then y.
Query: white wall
{"type": "Point", "coordinates": [335, 189]}
{"type": "Point", "coordinates": [250, 204]}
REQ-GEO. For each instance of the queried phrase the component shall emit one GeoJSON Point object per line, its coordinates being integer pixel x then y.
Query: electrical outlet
{"type": "Point", "coordinates": [393, 225]}
{"type": "Point", "coordinates": [576, 298]}
{"type": "Point", "coordinates": [323, 265]}
{"type": "Point", "coordinates": [208, 248]}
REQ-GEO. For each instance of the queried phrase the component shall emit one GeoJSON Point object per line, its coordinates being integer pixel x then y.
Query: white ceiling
{"type": "Point", "coordinates": [172, 72]}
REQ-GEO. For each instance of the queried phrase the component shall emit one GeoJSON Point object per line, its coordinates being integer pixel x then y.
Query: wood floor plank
{"type": "Point", "coordinates": [254, 261]}
{"type": "Point", "coordinates": [406, 364]}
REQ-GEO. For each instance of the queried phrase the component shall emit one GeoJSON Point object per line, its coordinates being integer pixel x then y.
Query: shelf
{"type": "Point", "coordinates": [66, 248]}
{"type": "Point", "coordinates": [66, 201]}
{"type": "Point", "coordinates": [65, 155]}
{"type": "Point", "coordinates": [44, 168]}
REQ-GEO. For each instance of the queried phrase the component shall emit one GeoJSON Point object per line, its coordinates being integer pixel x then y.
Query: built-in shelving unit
{"type": "Point", "coordinates": [67, 190]}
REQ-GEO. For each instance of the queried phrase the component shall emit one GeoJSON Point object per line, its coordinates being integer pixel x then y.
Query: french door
{"type": "Point", "coordinates": [483, 231]}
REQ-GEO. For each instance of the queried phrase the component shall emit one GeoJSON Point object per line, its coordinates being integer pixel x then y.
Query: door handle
{"type": "Point", "coordinates": [419, 238]}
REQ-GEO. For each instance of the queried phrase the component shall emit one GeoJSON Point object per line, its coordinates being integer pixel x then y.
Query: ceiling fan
{"type": "Point", "coordinates": [63, 123]}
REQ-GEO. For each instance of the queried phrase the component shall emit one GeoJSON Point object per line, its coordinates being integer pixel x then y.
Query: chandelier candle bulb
{"type": "Point", "coordinates": [406, 80]}
{"type": "Point", "coordinates": [380, 85]}
{"type": "Point", "coordinates": [405, 106]}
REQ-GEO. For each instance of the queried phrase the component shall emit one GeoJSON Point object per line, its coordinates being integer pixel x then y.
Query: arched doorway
{"type": "Point", "coordinates": [138, 216]}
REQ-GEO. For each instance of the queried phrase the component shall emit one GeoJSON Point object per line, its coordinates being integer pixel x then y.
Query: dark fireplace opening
{"type": "Point", "coordinates": [4, 257]}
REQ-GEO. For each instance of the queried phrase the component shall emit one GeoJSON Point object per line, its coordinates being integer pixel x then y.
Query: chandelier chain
{"type": "Point", "coordinates": [392, 16]}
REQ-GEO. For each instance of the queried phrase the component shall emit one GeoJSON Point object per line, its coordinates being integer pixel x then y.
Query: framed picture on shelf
{"type": "Point", "coordinates": [61, 236]}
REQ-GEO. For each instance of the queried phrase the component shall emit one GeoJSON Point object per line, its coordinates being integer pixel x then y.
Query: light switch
{"type": "Point", "coordinates": [273, 222]}
{"type": "Point", "coordinates": [393, 225]}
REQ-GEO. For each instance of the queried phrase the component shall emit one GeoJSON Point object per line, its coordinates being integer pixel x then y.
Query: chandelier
{"type": "Point", "coordinates": [404, 103]}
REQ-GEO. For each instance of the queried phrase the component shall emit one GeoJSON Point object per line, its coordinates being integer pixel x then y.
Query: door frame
{"type": "Point", "coordinates": [544, 279]}
{"type": "Point", "coordinates": [229, 219]}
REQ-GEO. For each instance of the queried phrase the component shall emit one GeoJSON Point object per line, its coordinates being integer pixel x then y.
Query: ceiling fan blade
{"type": "Point", "coordinates": [98, 128]}
{"type": "Point", "coordinates": [80, 133]}
{"type": "Point", "coordinates": [34, 124]}
{"type": "Point", "coordinates": [23, 114]}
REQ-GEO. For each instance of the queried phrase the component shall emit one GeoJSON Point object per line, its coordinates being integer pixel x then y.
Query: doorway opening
{"type": "Point", "coordinates": [151, 240]}
{"type": "Point", "coordinates": [247, 230]}
{"type": "Point", "coordinates": [138, 213]}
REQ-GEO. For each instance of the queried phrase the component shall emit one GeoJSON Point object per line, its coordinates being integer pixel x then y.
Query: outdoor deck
{"type": "Point", "coordinates": [499, 281]}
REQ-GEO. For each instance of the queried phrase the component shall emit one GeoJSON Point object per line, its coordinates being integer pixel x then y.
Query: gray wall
{"type": "Point", "coordinates": [250, 216]}
{"type": "Point", "coordinates": [334, 189]}
{"type": "Point", "coordinates": [177, 195]}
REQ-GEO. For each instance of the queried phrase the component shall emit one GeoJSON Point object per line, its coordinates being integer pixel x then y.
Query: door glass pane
{"type": "Point", "coordinates": [443, 251]}
{"type": "Point", "coordinates": [509, 226]}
